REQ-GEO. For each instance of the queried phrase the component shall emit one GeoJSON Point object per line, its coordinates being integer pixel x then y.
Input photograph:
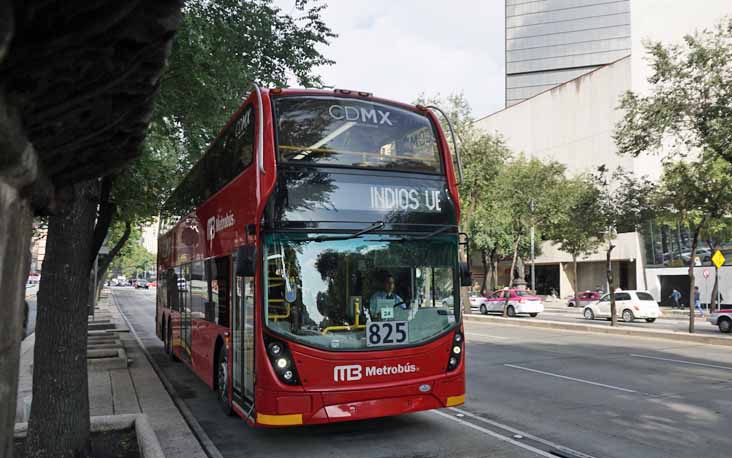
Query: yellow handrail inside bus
{"type": "Point", "coordinates": [357, 311]}
{"type": "Point", "coordinates": [272, 283]}
{"type": "Point", "coordinates": [343, 328]}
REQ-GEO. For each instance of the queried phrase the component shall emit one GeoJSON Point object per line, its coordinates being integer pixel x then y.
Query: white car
{"type": "Point", "coordinates": [723, 319]}
{"type": "Point", "coordinates": [476, 300]}
{"type": "Point", "coordinates": [629, 305]}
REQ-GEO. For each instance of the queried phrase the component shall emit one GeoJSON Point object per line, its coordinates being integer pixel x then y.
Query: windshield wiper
{"type": "Point", "coordinates": [375, 227]}
{"type": "Point", "coordinates": [426, 236]}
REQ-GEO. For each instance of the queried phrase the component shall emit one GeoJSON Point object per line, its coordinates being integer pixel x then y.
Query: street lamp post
{"type": "Point", "coordinates": [533, 269]}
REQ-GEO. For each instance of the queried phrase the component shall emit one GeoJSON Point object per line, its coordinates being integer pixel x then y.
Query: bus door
{"type": "Point", "coordinates": [184, 301]}
{"type": "Point", "coordinates": [243, 342]}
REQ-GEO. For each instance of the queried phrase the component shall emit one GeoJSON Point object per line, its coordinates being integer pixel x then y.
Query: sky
{"type": "Point", "coordinates": [401, 49]}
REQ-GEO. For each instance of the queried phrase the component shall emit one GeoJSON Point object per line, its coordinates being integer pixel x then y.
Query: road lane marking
{"type": "Point", "coordinates": [495, 434]}
{"type": "Point", "coordinates": [561, 448]}
{"type": "Point", "coordinates": [626, 390]}
{"type": "Point", "coordinates": [680, 361]}
{"type": "Point", "coordinates": [485, 335]}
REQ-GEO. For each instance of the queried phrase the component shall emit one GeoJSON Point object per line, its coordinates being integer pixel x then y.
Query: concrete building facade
{"type": "Point", "coordinates": [572, 122]}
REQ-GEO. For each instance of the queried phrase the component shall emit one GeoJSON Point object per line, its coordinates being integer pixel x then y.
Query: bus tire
{"type": "Point", "coordinates": [221, 379]}
{"type": "Point", "coordinates": [169, 343]}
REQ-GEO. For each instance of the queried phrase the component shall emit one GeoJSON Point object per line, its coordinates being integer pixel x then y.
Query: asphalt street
{"type": "Point", "coordinates": [531, 392]}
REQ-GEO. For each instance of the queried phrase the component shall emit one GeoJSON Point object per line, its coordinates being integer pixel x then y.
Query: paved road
{"type": "Point", "coordinates": [531, 392]}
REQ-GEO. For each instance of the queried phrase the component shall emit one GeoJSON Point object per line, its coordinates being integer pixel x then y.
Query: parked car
{"type": "Point", "coordinates": [520, 302]}
{"type": "Point", "coordinates": [723, 319]}
{"type": "Point", "coordinates": [141, 283]}
{"type": "Point", "coordinates": [629, 305]}
{"type": "Point", "coordinates": [585, 298]}
{"type": "Point", "coordinates": [152, 284]}
{"type": "Point", "coordinates": [477, 303]}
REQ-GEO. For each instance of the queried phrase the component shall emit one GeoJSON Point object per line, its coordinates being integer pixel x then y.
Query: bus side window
{"type": "Point", "coordinates": [218, 291]}
{"type": "Point", "coordinates": [199, 293]}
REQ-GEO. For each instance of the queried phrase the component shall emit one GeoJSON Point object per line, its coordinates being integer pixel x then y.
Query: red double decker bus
{"type": "Point", "coordinates": [308, 266]}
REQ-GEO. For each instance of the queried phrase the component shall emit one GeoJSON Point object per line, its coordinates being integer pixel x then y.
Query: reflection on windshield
{"type": "Point", "coordinates": [354, 133]}
{"type": "Point", "coordinates": [324, 293]}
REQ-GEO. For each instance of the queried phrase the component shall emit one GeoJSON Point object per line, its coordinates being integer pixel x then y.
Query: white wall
{"type": "Point", "coordinates": [572, 123]}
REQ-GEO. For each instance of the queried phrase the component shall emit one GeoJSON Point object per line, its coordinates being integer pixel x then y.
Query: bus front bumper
{"type": "Point", "coordinates": [337, 406]}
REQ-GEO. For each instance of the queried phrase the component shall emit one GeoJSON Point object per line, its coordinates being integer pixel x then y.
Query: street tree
{"type": "Point", "coordinates": [696, 193]}
{"type": "Point", "coordinates": [714, 234]}
{"type": "Point", "coordinates": [689, 107]}
{"type": "Point", "coordinates": [222, 46]}
{"type": "Point", "coordinates": [625, 201]}
{"type": "Point", "coordinates": [580, 227]}
{"type": "Point", "coordinates": [528, 193]}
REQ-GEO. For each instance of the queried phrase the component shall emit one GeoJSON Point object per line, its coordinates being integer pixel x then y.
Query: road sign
{"type": "Point", "coordinates": [706, 273]}
{"type": "Point", "coordinates": [718, 259]}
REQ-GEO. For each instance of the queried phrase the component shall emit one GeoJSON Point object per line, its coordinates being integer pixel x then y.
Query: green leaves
{"type": "Point", "coordinates": [690, 104]}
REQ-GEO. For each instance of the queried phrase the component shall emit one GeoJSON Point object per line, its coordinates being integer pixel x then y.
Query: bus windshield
{"type": "Point", "coordinates": [354, 133]}
{"type": "Point", "coordinates": [324, 293]}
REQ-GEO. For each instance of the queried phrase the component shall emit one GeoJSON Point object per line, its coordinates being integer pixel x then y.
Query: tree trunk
{"type": "Point", "coordinates": [510, 275]}
{"type": "Point", "coordinates": [692, 300]}
{"type": "Point", "coordinates": [576, 281]}
{"type": "Point", "coordinates": [16, 220]}
{"type": "Point", "coordinates": [59, 418]}
{"type": "Point", "coordinates": [494, 278]}
{"type": "Point", "coordinates": [611, 287]}
{"type": "Point", "coordinates": [713, 300]}
{"type": "Point", "coordinates": [486, 270]}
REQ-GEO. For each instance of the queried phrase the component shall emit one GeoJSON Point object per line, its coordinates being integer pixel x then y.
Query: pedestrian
{"type": "Point", "coordinates": [676, 297]}
{"type": "Point", "coordinates": [697, 303]}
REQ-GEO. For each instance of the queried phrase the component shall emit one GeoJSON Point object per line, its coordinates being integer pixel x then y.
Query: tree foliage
{"type": "Point", "coordinates": [690, 104]}
{"type": "Point", "coordinates": [696, 193]}
{"type": "Point", "coordinates": [220, 49]}
{"type": "Point", "coordinates": [579, 228]}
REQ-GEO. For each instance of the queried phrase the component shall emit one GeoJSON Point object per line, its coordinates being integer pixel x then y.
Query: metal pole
{"type": "Point", "coordinates": [533, 270]}
{"type": "Point", "coordinates": [719, 293]}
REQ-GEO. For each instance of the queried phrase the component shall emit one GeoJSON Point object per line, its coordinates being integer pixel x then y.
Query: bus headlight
{"type": "Point", "coordinates": [281, 360]}
{"type": "Point", "coordinates": [457, 350]}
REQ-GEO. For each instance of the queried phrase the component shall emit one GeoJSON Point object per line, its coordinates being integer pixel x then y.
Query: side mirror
{"type": "Point", "coordinates": [466, 279]}
{"type": "Point", "coordinates": [246, 261]}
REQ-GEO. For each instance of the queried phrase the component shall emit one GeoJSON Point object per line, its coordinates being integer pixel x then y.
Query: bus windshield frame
{"type": "Point", "coordinates": [366, 132]}
{"type": "Point", "coordinates": [307, 287]}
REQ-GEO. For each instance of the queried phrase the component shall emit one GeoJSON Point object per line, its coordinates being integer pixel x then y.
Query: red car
{"type": "Point", "coordinates": [585, 298]}
{"type": "Point", "coordinates": [519, 302]}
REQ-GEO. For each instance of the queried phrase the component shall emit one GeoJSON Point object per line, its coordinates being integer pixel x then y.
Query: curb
{"type": "Point", "coordinates": [667, 335]}
{"type": "Point", "coordinates": [206, 443]}
{"type": "Point", "coordinates": [666, 315]}
{"type": "Point", "coordinates": [147, 441]}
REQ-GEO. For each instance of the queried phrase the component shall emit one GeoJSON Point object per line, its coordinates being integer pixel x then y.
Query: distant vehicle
{"type": "Point", "coordinates": [585, 298]}
{"type": "Point", "coordinates": [722, 319]}
{"type": "Point", "coordinates": [141, 283]}
{"type": "Point", "coordinates": [520, 302]}
{"type": "Point", "coordinates": [152, 284]}
{"type": "Point", "coordinates": [477, 303]}
{"type": "Point", "coordinates": [630, 305]}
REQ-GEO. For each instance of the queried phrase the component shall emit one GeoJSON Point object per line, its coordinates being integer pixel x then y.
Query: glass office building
{"type": "Point", "coordinates": [549, 42]}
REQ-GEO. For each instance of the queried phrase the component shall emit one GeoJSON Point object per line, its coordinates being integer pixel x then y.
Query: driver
{"type": "Point", "coordinates": [387, 295]}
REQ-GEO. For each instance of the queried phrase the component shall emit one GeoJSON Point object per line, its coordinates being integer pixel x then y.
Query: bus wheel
{"type": "Point", "coordinates": [169, 344]}
{"type": "Point", "coordinates": [222, 381]}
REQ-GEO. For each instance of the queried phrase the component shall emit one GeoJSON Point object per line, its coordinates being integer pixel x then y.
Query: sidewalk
{"type": "Point", "coordinates": [557, 306]}
{"type": "Point", "coordinates": [115, 390]}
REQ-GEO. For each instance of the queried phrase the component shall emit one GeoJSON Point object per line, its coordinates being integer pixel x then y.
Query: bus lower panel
{"type": "Point", "coordinates": [331, 407]}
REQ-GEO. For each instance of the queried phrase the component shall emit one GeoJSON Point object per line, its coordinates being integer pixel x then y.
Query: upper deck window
{"type": "Point", "coordinates": [354, 133]}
